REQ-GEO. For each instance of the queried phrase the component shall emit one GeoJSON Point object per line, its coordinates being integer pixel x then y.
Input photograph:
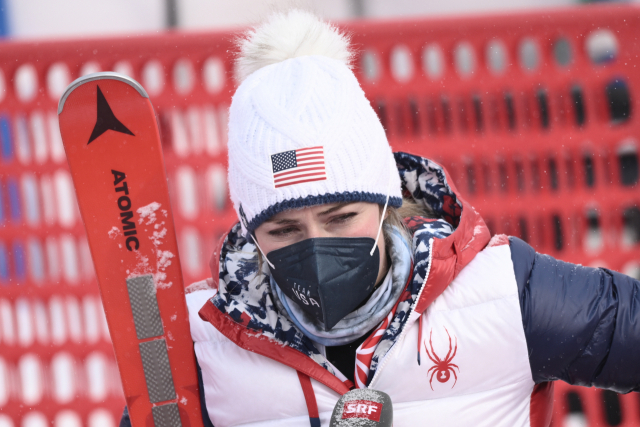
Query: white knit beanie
{"type": "Point", "coordinates": [301, 131]}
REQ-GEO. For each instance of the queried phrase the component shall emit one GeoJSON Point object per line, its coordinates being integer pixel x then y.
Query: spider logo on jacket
{"type": "Point", "coordinates": [443, 368]}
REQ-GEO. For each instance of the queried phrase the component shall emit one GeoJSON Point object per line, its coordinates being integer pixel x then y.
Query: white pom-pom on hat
{"type": "Point", "coordinates": [286, 35]}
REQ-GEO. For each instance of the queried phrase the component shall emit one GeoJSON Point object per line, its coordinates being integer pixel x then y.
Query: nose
{"type": "Point", "coordinates": [314, 230]}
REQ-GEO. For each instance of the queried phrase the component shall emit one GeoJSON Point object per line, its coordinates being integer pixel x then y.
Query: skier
{"type": "Point", "coordinates": [352, 266]}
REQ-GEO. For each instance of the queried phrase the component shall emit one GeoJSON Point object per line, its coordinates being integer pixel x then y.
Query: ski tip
{"type": "Point", "coordinates": [104, 75]}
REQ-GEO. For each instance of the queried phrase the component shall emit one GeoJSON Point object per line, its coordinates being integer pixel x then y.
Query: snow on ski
{"type": "Point", "coordinates": [113, 147]}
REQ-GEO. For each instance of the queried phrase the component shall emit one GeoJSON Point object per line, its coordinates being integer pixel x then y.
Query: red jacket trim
{"type": "Point", "coordinates": [541, 406]}
{"type": "Point", "coordinates": [268, 348]}
{"type": "Point", "coordinates": [309, 395]}
{"type": "Point", "coordinates": [499, 240]}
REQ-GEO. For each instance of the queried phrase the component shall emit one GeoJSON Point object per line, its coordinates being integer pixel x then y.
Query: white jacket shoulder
{"type": "Point", "coordinates": [200, 329]}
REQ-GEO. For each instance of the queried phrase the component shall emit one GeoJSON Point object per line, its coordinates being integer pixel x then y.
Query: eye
{"type": "Point", "coordinates": [281, 232]}
{"type": "Point", "coordinates": [340, 219]}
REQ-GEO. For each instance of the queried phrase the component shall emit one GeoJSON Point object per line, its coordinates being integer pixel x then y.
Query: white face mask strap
{"type": "Point", "coordinates": [262, 252]}
{"type": "Point", "coordinates": [384, 211]}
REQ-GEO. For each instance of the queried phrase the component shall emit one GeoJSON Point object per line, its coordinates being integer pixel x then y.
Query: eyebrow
{"type": "Point", "coordinates": [282, 221]}
{"type": "Point", "coordinates": [335, 208]}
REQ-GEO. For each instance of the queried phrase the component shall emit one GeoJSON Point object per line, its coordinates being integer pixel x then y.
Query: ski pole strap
{"type": "Point", "coordinates": [310, 399]}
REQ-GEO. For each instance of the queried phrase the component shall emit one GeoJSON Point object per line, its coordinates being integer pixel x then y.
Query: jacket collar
{"type": "Point", "coordinates": [430, 184]}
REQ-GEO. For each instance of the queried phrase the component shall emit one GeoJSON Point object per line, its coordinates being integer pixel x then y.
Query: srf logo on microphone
{"type": "Point", "coordinates": [362, 409]}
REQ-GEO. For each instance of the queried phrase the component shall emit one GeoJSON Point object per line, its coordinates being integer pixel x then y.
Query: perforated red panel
{"type": "Point", "coordinates": [56, 359]}
{"type": "Point", "coordinates": [579, 406]}
{"type": "Point", "coordinates": [533, 114]}
{"type": "Point", "coordinates": [539, 136]}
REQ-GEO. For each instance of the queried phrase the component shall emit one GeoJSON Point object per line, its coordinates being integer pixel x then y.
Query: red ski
{"type": "Point", "coordinates": [113, 147]}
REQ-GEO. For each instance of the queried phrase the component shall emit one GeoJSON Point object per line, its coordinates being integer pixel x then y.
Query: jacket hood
{"type": "Point", "coordinates": [430, 184]}
{"type": "Point", "coordinates": [441, 247]}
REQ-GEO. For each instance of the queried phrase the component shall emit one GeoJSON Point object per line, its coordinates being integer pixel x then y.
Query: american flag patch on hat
{"type": "Point", "coordinates": [298, 166]}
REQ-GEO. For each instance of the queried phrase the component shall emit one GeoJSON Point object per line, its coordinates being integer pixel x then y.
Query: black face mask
{"type": "Point", "coordinates": [328, 277]}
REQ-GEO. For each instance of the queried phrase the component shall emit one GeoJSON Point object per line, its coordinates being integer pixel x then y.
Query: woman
{"type": "Point", "coordinates": [310, 301]}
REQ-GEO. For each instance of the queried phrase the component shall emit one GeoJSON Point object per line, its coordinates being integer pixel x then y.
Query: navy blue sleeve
{"type": "Point", "coordinates": [582, 325]}
{"type": "Point", "coordinates": [125, 421]}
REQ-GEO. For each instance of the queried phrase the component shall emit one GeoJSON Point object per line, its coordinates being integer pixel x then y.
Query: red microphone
{"type": "Point", "coordinates": [363, 408]}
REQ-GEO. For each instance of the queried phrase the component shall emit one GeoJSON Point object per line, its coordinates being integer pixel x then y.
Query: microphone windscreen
{"type": "Point", "coordinates": [363, 408]}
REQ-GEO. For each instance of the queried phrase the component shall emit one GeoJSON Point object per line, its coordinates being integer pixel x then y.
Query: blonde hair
{"type": "Point", "coordinates": [395, 218]}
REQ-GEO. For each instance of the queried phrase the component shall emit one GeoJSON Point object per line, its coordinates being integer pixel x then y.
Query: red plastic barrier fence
{"type": "Point", "coordinates": [534, 115]}
{"type": "Point", "coordinates": [579, 406]}
{"type": "Point", "coordinates": [56, 361]}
